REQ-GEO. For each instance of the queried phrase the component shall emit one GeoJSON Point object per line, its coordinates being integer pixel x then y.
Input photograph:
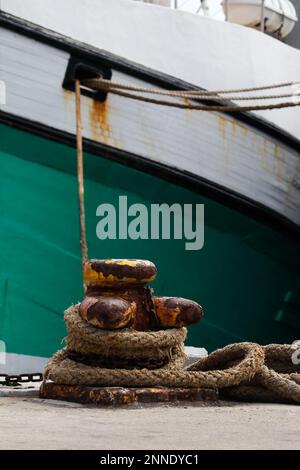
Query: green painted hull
{"type": "Point", "coordinates": [246, 276]}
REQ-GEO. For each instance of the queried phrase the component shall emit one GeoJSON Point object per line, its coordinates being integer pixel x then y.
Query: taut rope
{"type": "Point", "coordinates": [108, 85]}
{"type": "Point", "coordinates": [118, 89]}
{"type": "Point", "coordinates": [80, 176]}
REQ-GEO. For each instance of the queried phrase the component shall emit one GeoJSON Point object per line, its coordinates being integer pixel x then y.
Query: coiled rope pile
{"type": "Point", "coordinates": [245, 371]}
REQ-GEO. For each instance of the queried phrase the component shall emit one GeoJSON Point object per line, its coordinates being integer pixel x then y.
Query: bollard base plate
{"type": "Point", "coordinates": [116, 396]}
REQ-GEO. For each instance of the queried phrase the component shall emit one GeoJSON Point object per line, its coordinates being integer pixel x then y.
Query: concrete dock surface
{"type": "Point", "coordinates": [32, 423]}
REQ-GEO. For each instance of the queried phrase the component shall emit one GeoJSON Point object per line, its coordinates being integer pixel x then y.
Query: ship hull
{"type": "Point", "coordinates": [237, 155]}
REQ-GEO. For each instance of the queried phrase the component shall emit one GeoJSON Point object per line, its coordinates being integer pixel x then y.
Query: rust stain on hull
{"type": "Point", "coordinates": [293, 186]}
{"type": "Point", "coordinates": [223, 126]}
{"type": "Point", "coordinates": [69, 106]}
{"type": "Point", "coordinates": [99, 121]}
{"type": "Point", "coordinates": [68, 95]}
{"type": "Point", "coordinates": [273, 160]}
{"type": "Point", "coordinates": [280, 163]}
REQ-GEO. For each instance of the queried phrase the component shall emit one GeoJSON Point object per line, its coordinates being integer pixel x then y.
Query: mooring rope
{"type": "Point", "coordinates": [80, 177]}
{"type": "Point", "coordinates": [108, 84]}
{"type": "Point", "coordinates": [100, 85]}
{"type": "Point", "coordinates": [240, 370]}
{"type": "Point", "coordinates": [230, 108]}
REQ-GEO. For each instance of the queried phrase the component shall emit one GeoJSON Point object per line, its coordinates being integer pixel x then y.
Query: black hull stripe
{"type": "Point", "coordinates": [195, 183]}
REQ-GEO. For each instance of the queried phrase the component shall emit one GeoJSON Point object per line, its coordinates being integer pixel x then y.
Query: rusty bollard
{"type": "Point", "coordinates": [118, 296]}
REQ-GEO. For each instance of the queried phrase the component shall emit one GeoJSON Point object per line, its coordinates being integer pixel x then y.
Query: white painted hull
{"type": "Point", "coordinates": [23, 364]}
{"type": "Point", "coordinates": [202, 51]}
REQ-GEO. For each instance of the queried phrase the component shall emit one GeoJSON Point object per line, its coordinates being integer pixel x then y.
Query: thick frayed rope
{"type": "Point", "coordinates": [239, 370]}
